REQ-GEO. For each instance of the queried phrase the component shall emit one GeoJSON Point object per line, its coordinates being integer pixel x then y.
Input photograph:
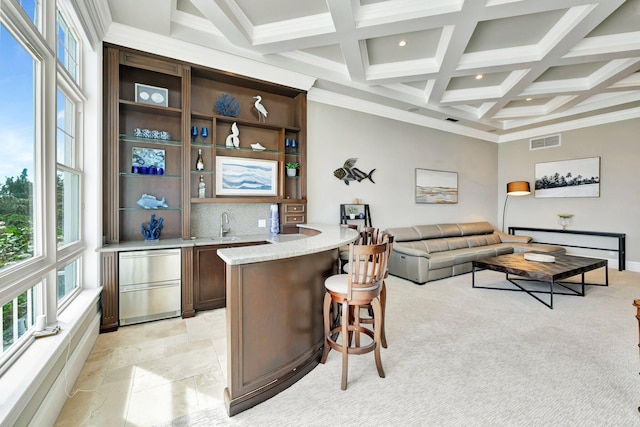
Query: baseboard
{"type": "Point", "coordinates": [28, 394]}
{"type": "Point", "coordinates": [56, 397]}
{"type": "Point", "coordinates": [631, 266]}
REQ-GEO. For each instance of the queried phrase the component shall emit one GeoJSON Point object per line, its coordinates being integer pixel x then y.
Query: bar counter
{"type": "Point", "coordinates": [274, 311]}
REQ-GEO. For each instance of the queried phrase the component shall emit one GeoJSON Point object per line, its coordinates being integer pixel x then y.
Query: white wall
{"type": "Point", "coordinates": [618, 207]}
{"type": "Point", "coordinates": [395, 150]}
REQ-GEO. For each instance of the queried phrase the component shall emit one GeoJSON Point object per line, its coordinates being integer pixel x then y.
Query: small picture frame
{"type": "Point", "coordinates": [152, 95]}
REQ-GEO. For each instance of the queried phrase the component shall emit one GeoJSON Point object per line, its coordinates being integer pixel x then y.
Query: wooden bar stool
{"type": "Point", "coordinates": [359, 287]}
{"type": "Point", "coordinates": [370, 236]}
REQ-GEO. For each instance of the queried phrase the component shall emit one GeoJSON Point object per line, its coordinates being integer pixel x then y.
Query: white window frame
{"type": "Point", "coordinates": [48, 259]}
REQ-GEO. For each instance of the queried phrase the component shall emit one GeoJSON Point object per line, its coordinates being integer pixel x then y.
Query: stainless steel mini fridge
{"type": "Point", "coordinates": [149, 285]}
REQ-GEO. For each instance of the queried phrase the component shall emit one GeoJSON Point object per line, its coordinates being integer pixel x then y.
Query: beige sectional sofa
{"type": "Point", "coordinates": [423, 253]}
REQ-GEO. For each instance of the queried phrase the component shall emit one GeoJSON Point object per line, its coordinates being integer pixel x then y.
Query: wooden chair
{"type": "Point", "coordinates": [359, 287]}
{"type": "Point", "coordinates": [370, 236]}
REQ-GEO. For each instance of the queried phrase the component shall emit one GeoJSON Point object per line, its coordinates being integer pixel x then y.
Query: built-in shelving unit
{"type": "Point", "coordinates": [188, 96]}
{"type": "Point", "coordinates": [192, 92]}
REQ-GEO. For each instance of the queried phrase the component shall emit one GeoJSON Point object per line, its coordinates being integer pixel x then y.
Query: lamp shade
{"type": "Point", "coordinates": [518, 188]}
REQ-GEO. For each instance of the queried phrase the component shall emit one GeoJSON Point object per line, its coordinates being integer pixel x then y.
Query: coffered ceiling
{"type": "Point", "coordinates": [499, 68]}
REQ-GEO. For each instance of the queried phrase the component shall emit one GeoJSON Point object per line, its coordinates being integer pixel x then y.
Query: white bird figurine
{"type": "Point", "coordinates": [262, 112]}
{"type": "Point", "coordinates": [233, 140]}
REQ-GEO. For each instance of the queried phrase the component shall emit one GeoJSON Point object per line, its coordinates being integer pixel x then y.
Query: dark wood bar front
{"type": "Point", "coordinates": [274, 313]}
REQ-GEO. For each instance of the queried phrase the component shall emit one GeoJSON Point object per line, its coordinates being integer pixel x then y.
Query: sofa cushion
{"type": "Point", "coordinates": [471, 228]}
{"type": "Point", "coordinates": [512, 238]}
{"type": "Point", "coordinates": [450, 230]}
{"type": "Point", "coordinates": [457, 243]}
{"type": "Point", "coordinates": [427, 231]}
{"type": "Point", "coordinates": [492, 239]}
{"type": "Point", "coordinates": [435, 245]}
{"type": "Point", "coordinates": [404, 234]}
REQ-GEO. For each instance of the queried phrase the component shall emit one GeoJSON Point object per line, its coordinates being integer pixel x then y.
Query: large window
{"type": "Point", "coordinates": [67, 46]}
{"type": "Point", "coordinates": [32, 9]}
{"type": "Point", "coordinates": [40, 170]}
{"type": "Point", "coordinates": [17, 162]}
{"type": "Point", "coordinates": [18, 315]}
{"type": "Point", "coordinates": [68, 175]}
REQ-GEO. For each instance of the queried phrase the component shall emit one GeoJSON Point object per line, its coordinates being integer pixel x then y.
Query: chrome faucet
{"type": "Point", "coordinates": [224, 219]}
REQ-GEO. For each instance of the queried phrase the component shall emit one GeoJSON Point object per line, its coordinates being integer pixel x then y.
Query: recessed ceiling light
{"type": "Point", "coordinates": [402, 43]}
{"type": "Point", "coordinates": [479, 76]}
{"type": "Point", "coordinates": [528, 99]}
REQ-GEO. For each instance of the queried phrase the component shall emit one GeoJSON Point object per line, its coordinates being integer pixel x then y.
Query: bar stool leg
{"type": "Point", "coordinates": [383, 305]}
{"type": "Point", "coordinates": [345, 343]}
{"type": "Point", "coordinates": [326, 308]}
{"type": "Point", "coordinates": [377, 316]}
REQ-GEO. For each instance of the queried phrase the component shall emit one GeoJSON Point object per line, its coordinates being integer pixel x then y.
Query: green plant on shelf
{"type": "Point", "coordinates": [352, 210]}
{"type": "Point", "coordinates": [291, 165]}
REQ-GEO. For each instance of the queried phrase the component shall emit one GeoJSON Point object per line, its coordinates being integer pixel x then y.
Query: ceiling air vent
{"type": "Point", "coordinates": [544, 142]}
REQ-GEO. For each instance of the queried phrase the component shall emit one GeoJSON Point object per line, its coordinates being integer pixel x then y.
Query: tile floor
{"type": "Point", "coordinates": [150, 373]}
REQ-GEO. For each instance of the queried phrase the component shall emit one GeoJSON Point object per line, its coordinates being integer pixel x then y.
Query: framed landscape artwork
{"type": "Point", "coordinates": [237, 176]}
{"type": "Point", "coordinates": [568, 178]}
{"type": "Point", "coordinates": [439, 187]}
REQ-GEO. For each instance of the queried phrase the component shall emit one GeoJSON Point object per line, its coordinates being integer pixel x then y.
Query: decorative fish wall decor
{"type": "Point", "coordinates": [350, 173]}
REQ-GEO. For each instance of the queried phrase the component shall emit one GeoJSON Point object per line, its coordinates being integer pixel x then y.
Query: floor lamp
{"type": "Point", "coordinates": [515, 188]}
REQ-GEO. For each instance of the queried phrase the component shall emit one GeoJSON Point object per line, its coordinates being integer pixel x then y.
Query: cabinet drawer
{"type": "Point", "coordinates": [293, 208]}
{"type": "Point", "coordinates": [294, 218]}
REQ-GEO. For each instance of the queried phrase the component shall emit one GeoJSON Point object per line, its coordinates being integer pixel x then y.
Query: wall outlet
{"type": "Point", "coordinates": [262, 223]}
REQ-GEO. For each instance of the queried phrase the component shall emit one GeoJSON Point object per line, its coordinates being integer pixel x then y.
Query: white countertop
{"type": "Point", "coordinates": [330, 237]}
{"type": "Point", "coordinates": [288, 245]}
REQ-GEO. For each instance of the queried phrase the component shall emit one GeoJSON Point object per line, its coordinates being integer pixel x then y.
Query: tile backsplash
{"type": "Point", "coordinates": [243, 218]}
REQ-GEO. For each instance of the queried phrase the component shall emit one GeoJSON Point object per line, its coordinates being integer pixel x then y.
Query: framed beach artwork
{"type": "Point", "coordinates": [568, 178]}
{"type": "Point", "coordinates": [439, 187]}
{"type": "Point", "coordinates": [237, 176]}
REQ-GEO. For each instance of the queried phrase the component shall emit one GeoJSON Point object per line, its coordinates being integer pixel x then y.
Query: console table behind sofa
{"type": "Point", "coordinates": [620, 236]}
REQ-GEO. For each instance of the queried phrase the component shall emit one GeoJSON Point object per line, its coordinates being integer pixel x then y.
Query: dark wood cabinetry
{"type": "Point", "coordinates": [188, 96]}
{"type": "Point", "coordinates": [191, 94]}
{"type": "Point", "coordinates": [209, 289]}
{"type": "Point", "coordinates": [208, 278]}
{"type": "Point", "coordinates": [123, 144]}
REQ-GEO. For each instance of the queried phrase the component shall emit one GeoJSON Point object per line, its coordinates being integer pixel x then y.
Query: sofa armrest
{"type": "Point", "coordinates": [410, 251]}
{"type": "Point", "coordinates": [511, 238]}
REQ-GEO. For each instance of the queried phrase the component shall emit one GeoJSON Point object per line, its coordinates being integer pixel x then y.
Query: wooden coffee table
{"type": "Point", "coordinates": [565, 266]}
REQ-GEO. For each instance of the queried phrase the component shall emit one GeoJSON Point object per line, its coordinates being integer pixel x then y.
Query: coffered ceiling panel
{"type": "Point", "coordinates": [542, 62]}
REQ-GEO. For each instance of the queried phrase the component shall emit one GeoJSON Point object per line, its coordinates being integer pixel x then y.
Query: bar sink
{"type": "Point", "coordinates": [226, 238]}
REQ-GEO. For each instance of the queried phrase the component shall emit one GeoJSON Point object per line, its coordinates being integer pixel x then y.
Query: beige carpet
{"type": "Point", "coordinates": [476, 357]}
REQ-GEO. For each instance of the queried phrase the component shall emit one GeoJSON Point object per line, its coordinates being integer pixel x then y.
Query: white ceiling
{"type": "Point", "coordinates": [543, 62]}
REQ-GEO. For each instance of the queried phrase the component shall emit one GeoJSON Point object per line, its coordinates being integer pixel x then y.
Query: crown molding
{"type": "Point", "coordinates": [351, 103]}
{"type": "Point", "coordinates": [184, 51]}
{"type": "Point", "coordinates": [601, 119]}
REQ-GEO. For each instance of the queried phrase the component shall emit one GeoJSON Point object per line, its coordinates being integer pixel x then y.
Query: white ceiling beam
{"type": "Point", "coordinates": [574, 25]}
{"type": "Point", "coordinates": [235, 27]}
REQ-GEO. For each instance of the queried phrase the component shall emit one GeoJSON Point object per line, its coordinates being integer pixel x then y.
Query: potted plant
{"type": "Point", "coordinates": [292, 168]}
{"type": "Point", "coordinates": [352, 211]}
